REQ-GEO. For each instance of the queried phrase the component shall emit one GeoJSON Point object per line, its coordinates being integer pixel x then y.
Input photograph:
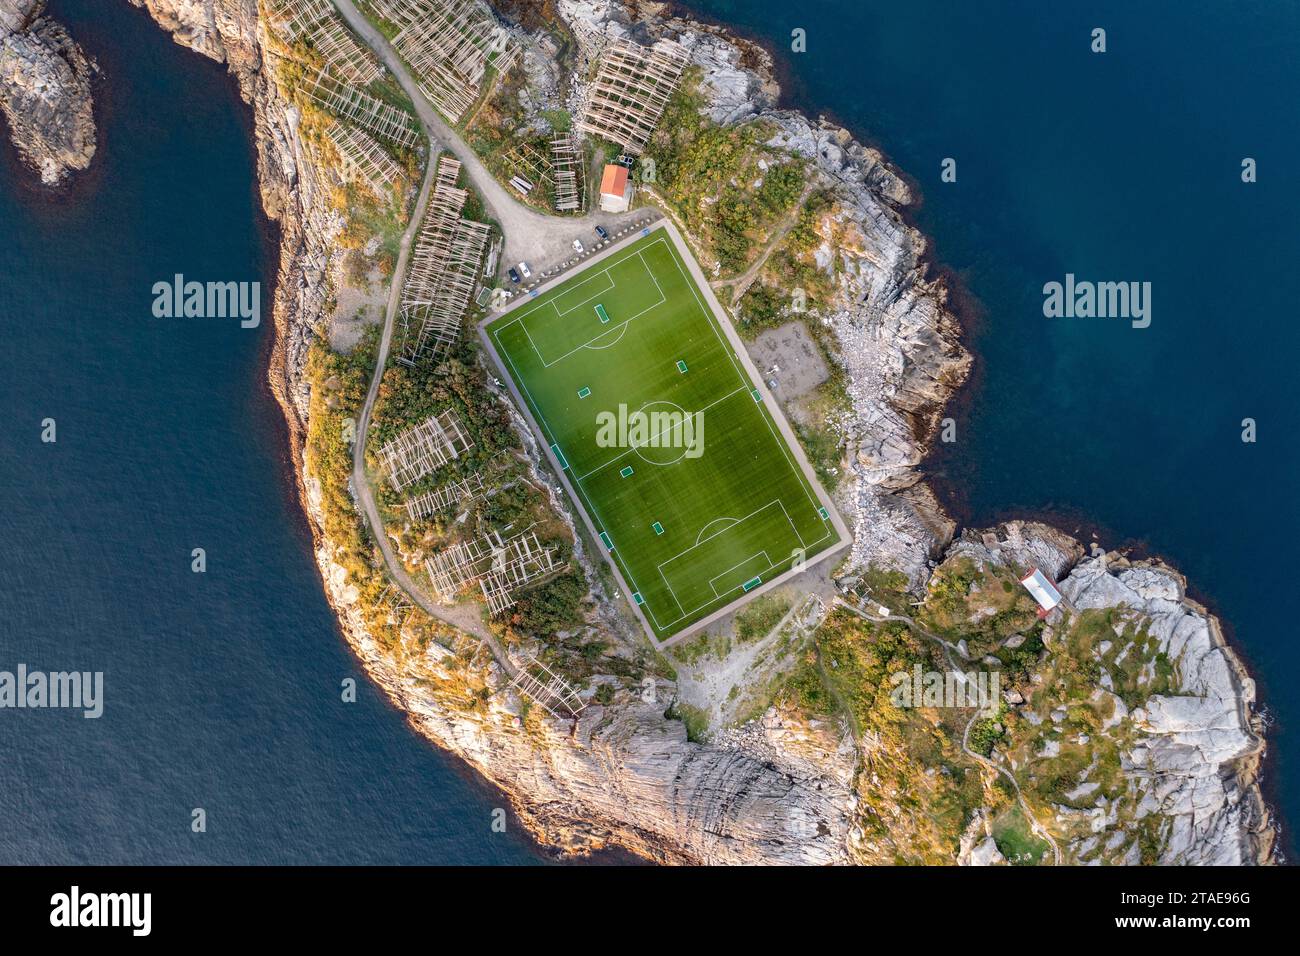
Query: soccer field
{"type": "Point", "coordinates": [683, 470]}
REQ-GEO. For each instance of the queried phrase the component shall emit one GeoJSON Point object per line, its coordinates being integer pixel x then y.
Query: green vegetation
{"type": "Point", "coordinates": [708, 175]}
{"type": "Point", "coordinates": [695, 719]}
{"type": "Point", "coordinates": [368, 217]}
{"type": "Point", "coordinates": [409, 395]}
{"type": "Point", "coordinates": [886, 586]}
{"type": "Point", "coordinates": [561, 121]}
{"type": "Point", "coordinates": [338, 386]}
{"type": "Point", "coordinates": [734, 507]}
{"type": "Point", "coordinates": [511, 142]}
{"type": "Point", "coordinates": [823, 447]}
{"type": "Point", "coordinates": [917, 791]}
{"type": "Point", "coordinates": [984, 733]}
{"type": "Point", "coordinates": [983, 605]}
{"type": "Point", "coordinates": [1016, 839]}
{"type": "Point", "coordinates": [552, 606]}
{"type": "Point", "coordinates": [760, 616]}
{"type": "Point", "coordinates": [702, 645]}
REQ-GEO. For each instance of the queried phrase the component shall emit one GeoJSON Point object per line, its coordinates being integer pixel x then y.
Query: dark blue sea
{"type": "Point", "coordinates": [1121, 166]}
{"type": "Point", "coordinates": [222, 689]}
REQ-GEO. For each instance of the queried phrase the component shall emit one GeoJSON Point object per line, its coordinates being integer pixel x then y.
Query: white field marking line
{"type": "Point", "coordinates": [610, 286]}
{"type": "Point", "coordinates": [668, 584]}
{"type": "Point", "coordinates": [797, 535]}
{"type": "Point", "coordinates": [712, 523]}
{"type": "Point", "coordinates": [706, 604]}
{"type": "Point", "coordinates": [502, 350]}
{"type": "Point", "coordinates": [720, 597]}
{"type": "Point", "coordinates": [585, 500]}
{"type": "Point", "coordinates": [622, 331]}
{"type": "Point", "coordinates": [694, 610]}
{"type": "Point", "coordinates": [587, 344]}
{"type": "Point", "coordinates": [771, 564]}
{"type": "Point", "coordinates": [543, 301]}
{"type": "Point", "coordinates": [717, 331]}
{"type": "Point", "coordinates": [525, 313]}
{"type": "Point", "coordinates": [647, 443]}
{"type": "Point", "coordinates": [714, 588]}
{"type": "Point", "coordinates": [676, 600]}
{"type": "Point", "coordinates": [653, 278]}
{"type": "Point", "coordinates": [774, 501]}
{"type": "Point", "coordinates": [663, 625]}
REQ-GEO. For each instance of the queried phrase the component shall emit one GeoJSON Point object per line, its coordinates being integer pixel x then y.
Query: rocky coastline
{"type": "Point", "coordinates": [783, 788]}
{"type": "Point", "coordinates": [45, 91]}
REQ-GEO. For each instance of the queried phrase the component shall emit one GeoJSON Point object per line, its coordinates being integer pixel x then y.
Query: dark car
{"type": "Point", "coordinates": [600, 231]}
{"type": "Point", "coordinates": [514, 276]}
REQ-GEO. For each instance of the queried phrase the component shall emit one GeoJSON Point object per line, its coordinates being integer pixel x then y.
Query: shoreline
{"type": "Point", "coordinates": [970, 315]}
{"type": "Point", "coordinates": [288, 323]}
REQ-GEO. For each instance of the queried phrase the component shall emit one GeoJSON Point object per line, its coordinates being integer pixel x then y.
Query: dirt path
{"type": "Point", "coordinates": [542, 240]}
{"type": "Point", "coordinates": [740, 285]}
{"type": "Point", "coordinates": [466, 618]}
{"type": "Point", "coordinates": [462, 618]}
{"type": "Point", "coordinates": [951, 652]}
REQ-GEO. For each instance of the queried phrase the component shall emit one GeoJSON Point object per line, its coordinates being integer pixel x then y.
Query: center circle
{"type": "Point", "coordinates": [672, 444]}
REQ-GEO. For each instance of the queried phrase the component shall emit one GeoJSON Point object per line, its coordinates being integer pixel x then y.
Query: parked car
{"type": "Point", "coordinates": [577, 246]}
{"type": "Point", "coordinates": [514, 276]}
{"type": "Point", "coordinates": [527, 272]}
{"type": "Point", "coordinates": [600, 231]}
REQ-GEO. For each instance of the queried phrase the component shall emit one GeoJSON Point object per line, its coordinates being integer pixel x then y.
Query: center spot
{"type": "Point", "coordinates": [672, 442]}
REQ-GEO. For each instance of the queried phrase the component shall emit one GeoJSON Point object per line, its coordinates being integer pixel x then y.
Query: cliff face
{"type": "Point", "coordinates": [45, 91]}
{"type": "Point", "coordinates": [897, 343]}
{"type": "Point", "coordinates": [1199, 744]}
{"type": "Point", "coordinates": [625, 774]}
{"type": "Point", "coordinates": [1137, 704]}
{"type": "Point", "coordinates": [784, 788]}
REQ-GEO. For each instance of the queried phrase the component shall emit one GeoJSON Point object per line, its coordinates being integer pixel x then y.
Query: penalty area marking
{"type": "Point", "coordinates": [519, 319]}
{"type": "Point", "coordinates": [699, 537]}
{"type": "Point", "coordinates": [739, 564]}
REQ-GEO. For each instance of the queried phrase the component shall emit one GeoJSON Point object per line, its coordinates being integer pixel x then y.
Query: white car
{"type": "Point", "coordinates": [577, 246]}
{"type": "Point", "coordinates": [526, 272]}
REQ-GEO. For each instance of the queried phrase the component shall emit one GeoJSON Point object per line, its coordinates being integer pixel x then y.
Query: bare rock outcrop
{"type": "Point", "coordinates": [778, 790]}
{"type": "Point", "coordinates": [897, 341]}
{"type": "Point", "coordinates": [1199, 745]}
{"type": "Point", "coordinates": [45, 91]}
{"type": "Point", "coordinates": [626, 774]}
{"type": "Point", "coordinates": [1189, 738]}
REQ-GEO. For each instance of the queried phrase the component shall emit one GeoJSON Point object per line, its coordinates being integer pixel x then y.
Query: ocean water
{"type": "Point", "coordinates": [1122, 166]}
{"type": "Point", "coordinates": [222, 689]}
